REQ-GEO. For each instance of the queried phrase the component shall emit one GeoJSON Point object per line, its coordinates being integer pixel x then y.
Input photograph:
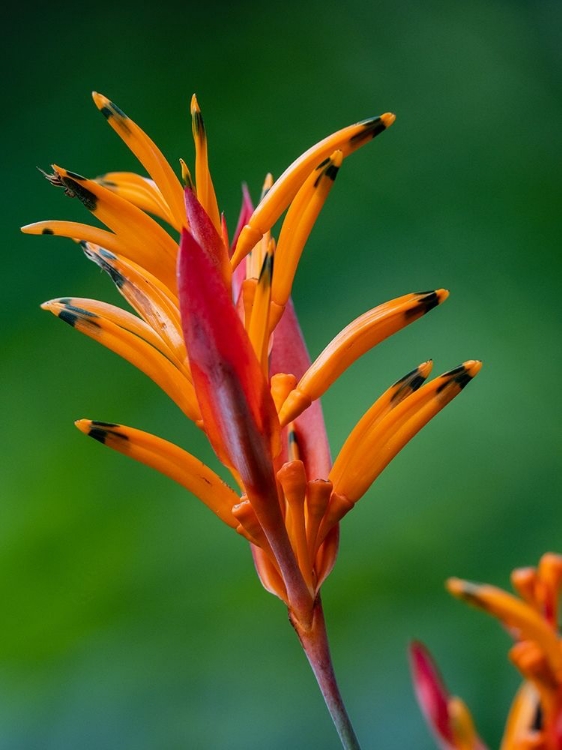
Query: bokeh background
{"type": "Point", "coordinates": [131, 618]}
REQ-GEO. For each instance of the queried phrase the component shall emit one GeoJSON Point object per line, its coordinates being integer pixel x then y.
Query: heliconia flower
{"type": "Point", "coordinates": [215, 328]}
{"type": "Point", "coordinates": [535, 718]}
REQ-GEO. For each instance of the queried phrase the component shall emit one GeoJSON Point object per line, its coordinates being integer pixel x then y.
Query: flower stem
{"type": "Point", "coordinates": [314, 640]}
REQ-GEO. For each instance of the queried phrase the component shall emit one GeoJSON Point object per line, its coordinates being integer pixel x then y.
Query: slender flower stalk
{"type": "Point", "coordinates": [535, 718]}
{"type": "Point", "coordinates": [214, 326]}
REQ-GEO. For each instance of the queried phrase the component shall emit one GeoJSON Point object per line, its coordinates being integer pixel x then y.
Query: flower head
{"type": "Point", "coordinates": [535, 719]}
{"type": "Point", "coordinates": [215, 328]}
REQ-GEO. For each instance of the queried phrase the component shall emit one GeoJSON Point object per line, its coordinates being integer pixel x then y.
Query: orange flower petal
{"type": "Point", "coordinates": [358, 337]}
{"type": "Point", "coordinates": [284, 190]}
{"type": "Point", "coordinates": [170, 460]}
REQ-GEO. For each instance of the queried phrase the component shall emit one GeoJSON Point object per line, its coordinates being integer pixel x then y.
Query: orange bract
{"type": "Point", "coordinates": [535, 719]}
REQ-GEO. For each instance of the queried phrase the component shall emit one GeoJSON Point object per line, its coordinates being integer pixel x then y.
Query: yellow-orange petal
{"type": "Point", "coordinates": [389, 400]}
{"type": "Point", "coordinates": [338, 506]}
{"type": "Point", "coordinates": [462, 726]}
{"type": "Point", "coordinates": [258, 330]}
{"type": "Point", "coordinates": [292, 478]}
{"type": "Point", "coordinates": [254, 259]}
{"type": "Point", "coordinates": [281, 385]}
{"type": "Point", "coordinates": [186, 175]}
{"type": "Point", "coordinates": [170, 460]}
{"type": "Point", "coordinates": [203, 182]}
{"type": "Point", "coordinates": [521, 719]}
{"type": "Point", "coordinates": [326, 556]}
{"type": "Point", "coordinates": [269, 575]}
{"type": "Point", "coordinates": [78, 232]}
{"type": "Point", "coordinates": [147, 243]}
{"type": "Point", "coordinates": [524, 581]}
{"type": "Point", "coordinates": [398, 427]}
{"type": "Point", "coordinates": [358, 337]}
{"type": "Point", "coordinates": [148, 296]}
{"type": "Point", "coordinates": [140, 191]}
{"type": "Point", "coordinates": [147, 153]}
{"type": "Point", "coordinates": [124, 320]}
{"type": "Point", "coordinates": [139, 352]}
{"type": "Point", "coordinates": [283, 191]}
{"type": "Point", "coordinates": [318, 493]}
{"type": "Point", "coordinates": [533, 664]}
{"type": "Point", "coordinates": [296, 228]}
{"type": "Point", "coordinates": [514, 614]}
{"type": "Point", "coordinates": [249, 526]}
{"type": "Point", "coordinates": [549, 574]}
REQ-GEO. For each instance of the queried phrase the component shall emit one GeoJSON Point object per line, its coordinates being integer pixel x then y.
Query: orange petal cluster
{"type": "Point", "coordinates": [214, 327]}
{"type": "Point", "coordinates": [535, 718]}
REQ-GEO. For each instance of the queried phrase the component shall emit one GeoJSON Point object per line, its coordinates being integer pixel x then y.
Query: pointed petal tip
{"type": "Point", "coordinates": [103, 432]}
{"type": "Point", "coordinates": [428, 300]}
{"type": "Point", "coordinates": [472, 593]}
{"type": "Point", "coordinates": [83, 425]}
{"type": "Point", "coordinates": [459, 588]}
{"type": "Point", "coordinates": [461, 375]}
{"type": "Point", "coordinates": [100, 100]}
{"type": "Point", "coordinates": [466, 371]}
{"type": "Point", "coordinates": [186, 176]}
{"type": "Point", "coordinates": [413, 380]}
{"type": "Point", "coordinates": [337, 158]}
{"type": "Point", "coordinates": [425, 368]}
{"type": "Point", "coordinates": [473, 366]}
{"type": "Point", "coordinates": [108, 108]}
{"type": "Point", "coordinates": [194, 106]}
{"type": "Point", "coordinates": [388, 119]}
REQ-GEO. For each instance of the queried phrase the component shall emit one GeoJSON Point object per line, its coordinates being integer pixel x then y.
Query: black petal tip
{"type": "Point", "coordinates": [100, 431]}
{"type": "Point", "coordinates": [74, 189]}
{"type": "Point", "coordinates": [459, 376]}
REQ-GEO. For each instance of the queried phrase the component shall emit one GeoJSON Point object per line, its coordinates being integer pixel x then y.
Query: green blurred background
{"type": "Point", "coordinates": [131, 618]}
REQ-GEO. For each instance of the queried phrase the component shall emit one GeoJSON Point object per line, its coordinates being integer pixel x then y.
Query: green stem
{"type": "Point", "coordinates": [314, 641]}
